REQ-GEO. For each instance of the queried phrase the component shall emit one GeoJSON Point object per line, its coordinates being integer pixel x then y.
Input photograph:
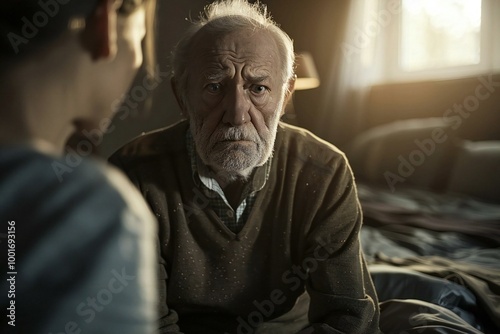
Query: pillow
{"type": "Point", "coordinates": [476, 171]}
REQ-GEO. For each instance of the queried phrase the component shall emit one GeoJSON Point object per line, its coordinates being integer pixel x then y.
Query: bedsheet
{"type": "Point", "coordinates": [434, 260]}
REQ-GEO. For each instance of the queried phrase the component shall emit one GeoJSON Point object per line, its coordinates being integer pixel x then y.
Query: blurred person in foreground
{"type": "Point", "coordinates": [258, 220]}
{"type": "Point", "coordinates": [77, 248]}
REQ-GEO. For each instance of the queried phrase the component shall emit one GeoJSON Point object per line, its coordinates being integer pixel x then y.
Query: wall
{"type": "Point", "coordinates": [316, 27]}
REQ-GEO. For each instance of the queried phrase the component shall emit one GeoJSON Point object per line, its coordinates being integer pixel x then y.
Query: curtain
{"type": "Point", "coordinates": [352, 73]}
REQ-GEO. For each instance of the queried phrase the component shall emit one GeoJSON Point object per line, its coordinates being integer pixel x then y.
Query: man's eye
{"type": "Point", "coordinates": [214, 87]}
{"type": "Point", "coordinates": [259, 89]}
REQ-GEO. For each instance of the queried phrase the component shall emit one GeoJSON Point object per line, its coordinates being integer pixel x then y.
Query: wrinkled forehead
{"type": "Point", "coordinates": [255, 50]}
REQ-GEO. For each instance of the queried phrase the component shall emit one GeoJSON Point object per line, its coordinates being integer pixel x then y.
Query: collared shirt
{"type": "Point", "coordinates": [233, 219]}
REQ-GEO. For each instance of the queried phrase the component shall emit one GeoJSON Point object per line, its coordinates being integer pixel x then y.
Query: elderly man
{"type": "Point", "coordinates": [258, 220]}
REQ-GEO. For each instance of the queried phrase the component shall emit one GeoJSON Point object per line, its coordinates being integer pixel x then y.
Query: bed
{"type": "Point", "coordinates": [432, 241]}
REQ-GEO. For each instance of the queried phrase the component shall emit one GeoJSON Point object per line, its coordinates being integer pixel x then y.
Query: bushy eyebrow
{"type": "Point", "coordinates": [215, 76]}
{"type": "Point", "coordinates": [220, 74]}
{"type": "Point", "coordinates": [257, 79]}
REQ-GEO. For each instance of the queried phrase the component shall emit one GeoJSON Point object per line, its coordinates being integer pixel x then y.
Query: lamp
{"type": "Point", "coordinates": [307, 76]}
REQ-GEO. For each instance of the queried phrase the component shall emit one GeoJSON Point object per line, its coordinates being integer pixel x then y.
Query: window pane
{"type": "Point", "coordinates": [438, 34]}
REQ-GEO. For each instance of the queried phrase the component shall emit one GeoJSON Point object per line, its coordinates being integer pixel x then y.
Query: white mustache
{"type": "Point", "coordinates": [234, 133]}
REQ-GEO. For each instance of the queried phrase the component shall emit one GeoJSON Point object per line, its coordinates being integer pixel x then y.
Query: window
{"type": "Point", "coordinates": [432, 39]}
{"type": "Point", "coordinates": [439, 34]}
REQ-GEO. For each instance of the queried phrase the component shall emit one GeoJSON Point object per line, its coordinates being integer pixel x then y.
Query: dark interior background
{"type": "Point", "coordinates": [316, 27]}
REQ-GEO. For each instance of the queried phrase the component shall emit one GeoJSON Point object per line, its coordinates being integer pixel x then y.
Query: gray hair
{"type": "Point", "coordinates": [227, 16]}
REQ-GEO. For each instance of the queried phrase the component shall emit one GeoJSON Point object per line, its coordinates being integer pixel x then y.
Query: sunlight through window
{"type": "Point", "coordinates": [440, 34]}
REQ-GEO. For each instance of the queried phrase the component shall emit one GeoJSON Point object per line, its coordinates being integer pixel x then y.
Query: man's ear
{"type": "Point", "coordinates": [289, 92]}
{"type": "Point", "coordinates": [291, 88]}
{"type": "Point", "coordinates": [99, 36]}
{"type": "Point", "coordinates": [178, 97]}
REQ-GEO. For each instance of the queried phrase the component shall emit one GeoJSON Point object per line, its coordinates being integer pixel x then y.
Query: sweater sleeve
{"type": "Point", "coordinates": [343, 298]}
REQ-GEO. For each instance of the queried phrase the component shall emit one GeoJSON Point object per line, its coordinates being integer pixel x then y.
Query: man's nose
{"type": "Point", "coordinates": [237, 106]}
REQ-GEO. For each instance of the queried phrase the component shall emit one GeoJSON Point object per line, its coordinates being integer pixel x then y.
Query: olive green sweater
{"type": "Point", "coordinates": [296, 263]}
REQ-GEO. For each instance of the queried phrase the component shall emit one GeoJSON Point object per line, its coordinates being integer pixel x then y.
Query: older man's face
{"type": "Point", "coordinates": [235, 98]}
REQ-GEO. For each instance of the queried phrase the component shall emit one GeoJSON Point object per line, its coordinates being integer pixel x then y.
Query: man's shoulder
{"type": "Point", "coordinates": [155, 143]}
{"type": "Point", "coordinates": [91, 218]}
{"type": "Point", "coordinates": [303, 145]}
{"type": "Point", "coordinates": [71, 190]}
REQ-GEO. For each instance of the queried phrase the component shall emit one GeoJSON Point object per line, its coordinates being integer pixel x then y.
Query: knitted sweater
{"type": "Point", "coordinates": [297, 261]}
